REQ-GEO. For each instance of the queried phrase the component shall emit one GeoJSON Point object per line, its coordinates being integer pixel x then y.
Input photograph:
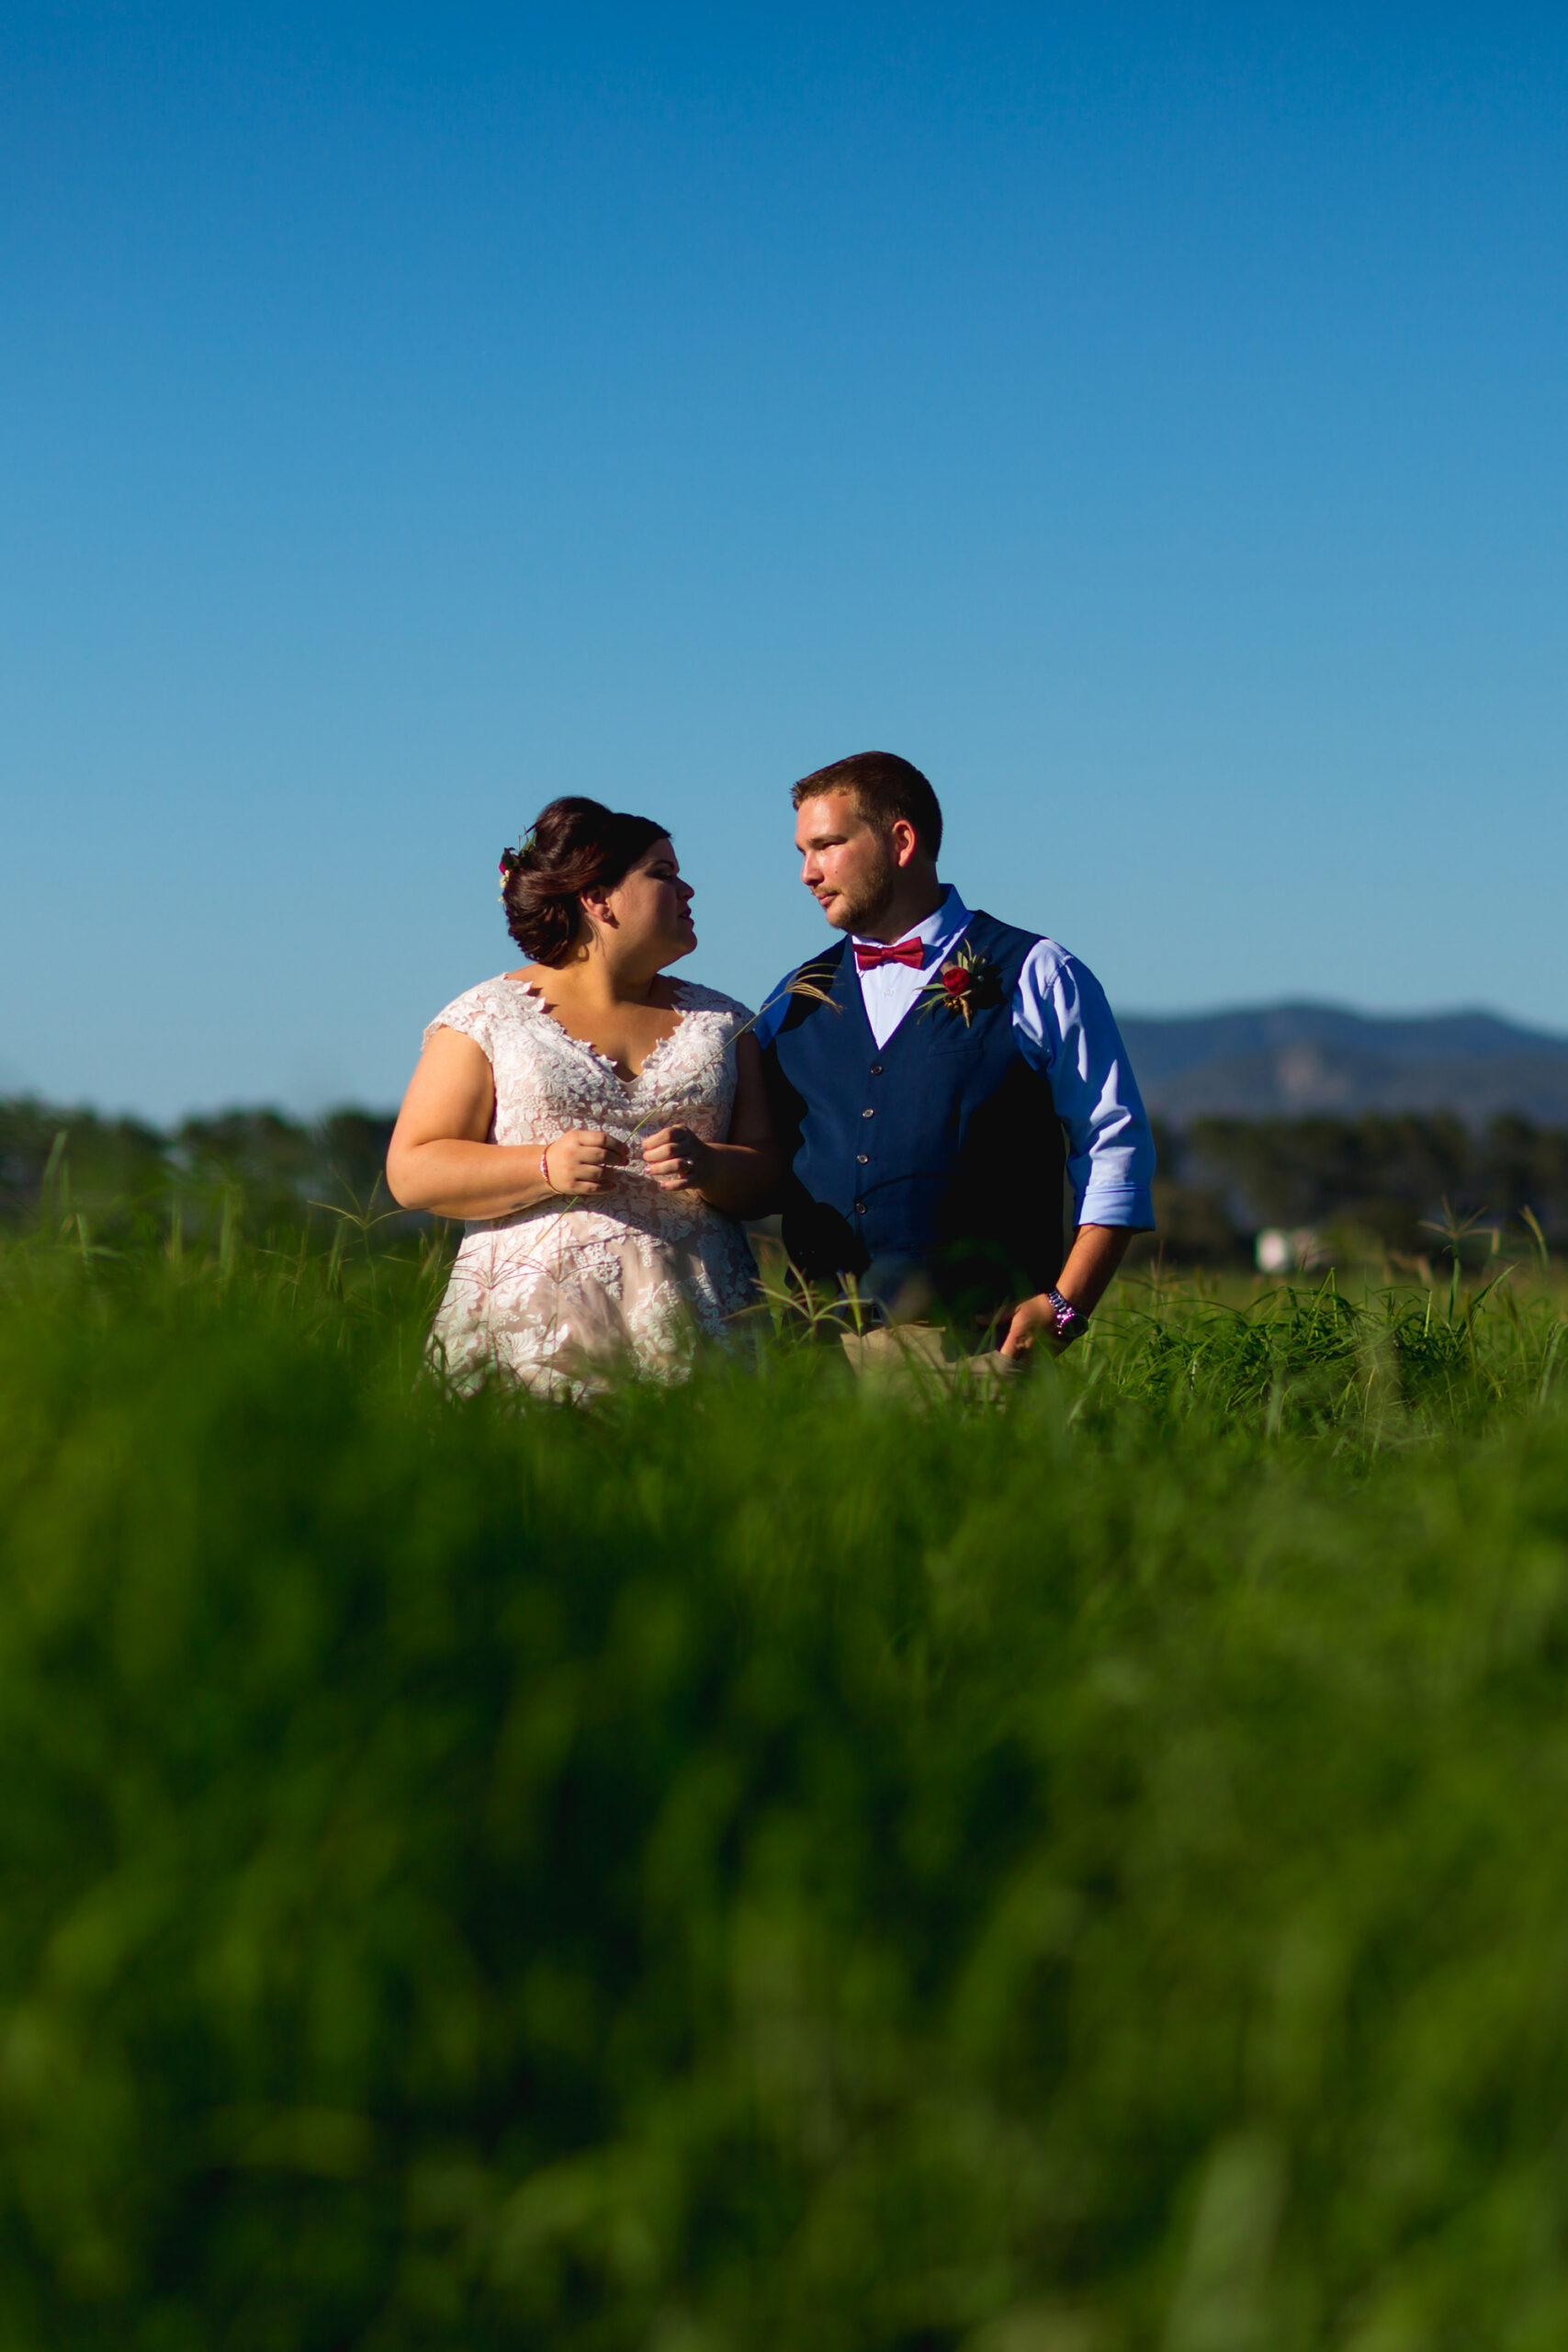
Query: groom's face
{"type": "Point", "coordinates": [848, 867]}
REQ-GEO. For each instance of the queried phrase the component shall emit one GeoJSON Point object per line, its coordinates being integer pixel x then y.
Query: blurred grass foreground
{"type": "Point", "coordinates": [768, 1865]}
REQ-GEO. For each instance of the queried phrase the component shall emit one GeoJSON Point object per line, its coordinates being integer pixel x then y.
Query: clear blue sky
{"type": "Point", "coordinates": [1151, 421]}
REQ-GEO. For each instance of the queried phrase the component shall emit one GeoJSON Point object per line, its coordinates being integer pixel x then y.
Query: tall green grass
{"type": "Point", "coordinates": [768, 1865]}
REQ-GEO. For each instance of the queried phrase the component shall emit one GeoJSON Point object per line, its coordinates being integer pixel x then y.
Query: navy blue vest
{"type": "Point", "coordinates": [938, 1153]}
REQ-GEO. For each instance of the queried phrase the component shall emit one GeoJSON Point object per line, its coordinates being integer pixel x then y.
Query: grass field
{"type": "Point", "coordinates": [764, 1866]}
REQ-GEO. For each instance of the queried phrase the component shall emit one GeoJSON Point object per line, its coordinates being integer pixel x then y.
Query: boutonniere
{"type": "Point", "coordinates": [966, 983]}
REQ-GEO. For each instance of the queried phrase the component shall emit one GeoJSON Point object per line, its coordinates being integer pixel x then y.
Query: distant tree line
{"type": "Point", "coordinates": [1393, 1185]}
{"type": "Point", "coordinates": [272, 1172]}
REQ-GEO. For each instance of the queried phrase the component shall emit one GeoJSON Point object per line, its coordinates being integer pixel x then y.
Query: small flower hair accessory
{"type": "Point", "coordinates": [966, 983]}
{"type": "Point", "coordinates": [511, 859]}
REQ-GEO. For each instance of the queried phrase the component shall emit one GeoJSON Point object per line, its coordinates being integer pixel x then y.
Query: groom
{"type": "Point", "coordinates": [922, 1110]}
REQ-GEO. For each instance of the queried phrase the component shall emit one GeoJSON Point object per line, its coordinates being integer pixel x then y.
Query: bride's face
{"type": "Point", "coordinates": [652, 906]}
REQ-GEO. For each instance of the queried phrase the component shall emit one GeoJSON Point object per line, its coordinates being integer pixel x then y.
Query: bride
{"type": "Point", "coordinates": [599, 1128]}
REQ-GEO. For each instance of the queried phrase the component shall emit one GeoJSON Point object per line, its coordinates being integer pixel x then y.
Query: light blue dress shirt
{"type": "Point", "coordinates": [1066, 1031]}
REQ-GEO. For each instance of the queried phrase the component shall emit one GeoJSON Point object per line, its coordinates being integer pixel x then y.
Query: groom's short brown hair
{"type": "Point", "coordinates": [884, 787]}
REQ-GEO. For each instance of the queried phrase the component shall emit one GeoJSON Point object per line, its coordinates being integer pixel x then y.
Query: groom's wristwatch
{"type": "Point", "coordinates": [1070, 1324]}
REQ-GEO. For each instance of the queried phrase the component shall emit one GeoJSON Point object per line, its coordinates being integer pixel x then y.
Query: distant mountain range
{"type": "Point", "coordinates": [1290, 1060]}
{"type": "Point", "coordinates": [1283, 1061]}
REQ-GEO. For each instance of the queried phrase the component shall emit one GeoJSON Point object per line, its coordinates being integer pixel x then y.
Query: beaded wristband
{"type": "Point", "coordinates": [545, 1167]}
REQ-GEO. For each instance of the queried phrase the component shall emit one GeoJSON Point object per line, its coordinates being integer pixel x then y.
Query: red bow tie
{"type": "Point", "coordinates": [909, 950]}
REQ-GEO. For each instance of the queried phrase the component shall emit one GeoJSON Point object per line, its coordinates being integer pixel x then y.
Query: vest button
{"type": "Point", "coordinates": [877, 1070]}
{"type": "Point", "coordinates": [864, 1158]}
{"type": "Point", "coordinates": [868, 1114]}
{"type": "Point", "coordinates": [860, 1208]}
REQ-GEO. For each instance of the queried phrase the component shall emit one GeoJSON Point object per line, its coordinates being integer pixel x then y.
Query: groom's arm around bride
{"type": "Point", "coordinates": [962, 1071]}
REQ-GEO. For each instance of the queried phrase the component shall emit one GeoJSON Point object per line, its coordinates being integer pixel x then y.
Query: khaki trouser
{"type": "Point", "coordinates": [923, 1358]}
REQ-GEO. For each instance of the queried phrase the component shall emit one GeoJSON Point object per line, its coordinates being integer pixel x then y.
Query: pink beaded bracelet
{"type": "Point", "coordinates": [545, 1167]}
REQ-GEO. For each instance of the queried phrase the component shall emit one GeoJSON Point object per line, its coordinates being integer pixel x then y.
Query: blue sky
{"type": "Point", "coordinates": [1148, 419]}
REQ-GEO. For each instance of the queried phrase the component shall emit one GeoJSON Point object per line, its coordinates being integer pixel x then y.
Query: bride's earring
{"type": "Point", "coordinates": [598, 918]}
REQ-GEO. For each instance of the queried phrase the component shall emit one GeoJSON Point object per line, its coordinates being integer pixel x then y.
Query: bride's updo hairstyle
{"type": "Point", "coordinates": [573, 846]}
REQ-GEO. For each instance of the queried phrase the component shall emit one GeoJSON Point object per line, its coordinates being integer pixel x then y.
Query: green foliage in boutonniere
{"type": "Point", "coordinates": [966, 983]}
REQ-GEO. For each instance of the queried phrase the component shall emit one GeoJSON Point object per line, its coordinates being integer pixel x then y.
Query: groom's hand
{"type": "Point", "coordinates": [1032, 1330]}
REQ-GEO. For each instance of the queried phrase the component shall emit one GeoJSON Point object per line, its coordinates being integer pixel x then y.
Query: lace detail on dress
{"type": "Point", "coordinates": [554, 1294]}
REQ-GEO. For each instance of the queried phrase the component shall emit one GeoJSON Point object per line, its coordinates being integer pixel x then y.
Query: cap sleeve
{"type": "Point", "coordinates": [473, 1015]}
{"type": "Point", "coordinates": [705, 1000]}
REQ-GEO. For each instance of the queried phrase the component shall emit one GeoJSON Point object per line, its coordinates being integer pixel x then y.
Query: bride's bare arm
{"type": "Point", "coordinates": [741, 1174]}
{"type": "Point", "coordinates": [439, 1158]}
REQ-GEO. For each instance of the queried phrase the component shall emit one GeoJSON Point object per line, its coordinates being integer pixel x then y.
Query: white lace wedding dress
{"type": "Point", "coordinates": [560, 1295]}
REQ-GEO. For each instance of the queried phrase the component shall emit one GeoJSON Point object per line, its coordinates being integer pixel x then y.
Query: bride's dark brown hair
{"type": "Point", "coordinates": [573, 846]}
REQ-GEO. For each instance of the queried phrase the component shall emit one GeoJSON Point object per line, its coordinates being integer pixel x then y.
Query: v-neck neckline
{"type": "Point", "coordinates": [627, 1085]}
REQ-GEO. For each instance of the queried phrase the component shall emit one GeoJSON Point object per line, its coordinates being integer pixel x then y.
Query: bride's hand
{"type": "Point", "coordinates": [580, 1160]}
{"type": "Point", "coordinates": [677, 1159]}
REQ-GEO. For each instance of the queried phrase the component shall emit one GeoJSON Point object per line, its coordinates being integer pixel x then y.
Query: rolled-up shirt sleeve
{"type": "Point", "coordinates": [1066, 1030]}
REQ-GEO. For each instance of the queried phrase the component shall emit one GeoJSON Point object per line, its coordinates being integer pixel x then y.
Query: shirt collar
{"type": "Point", "coordinates": [940, 930]}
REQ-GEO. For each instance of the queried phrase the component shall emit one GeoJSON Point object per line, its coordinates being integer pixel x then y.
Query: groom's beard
{"type": "Point", "coordinates": [864, 904]}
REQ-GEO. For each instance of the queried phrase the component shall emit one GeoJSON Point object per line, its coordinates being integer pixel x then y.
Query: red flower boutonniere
{"type": "Point", "coordinates": [966, 983]}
